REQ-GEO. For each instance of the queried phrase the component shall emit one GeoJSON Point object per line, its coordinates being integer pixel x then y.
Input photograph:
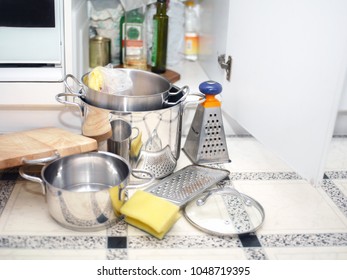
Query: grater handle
{"type": "Point", "coordinates": [210, 88]}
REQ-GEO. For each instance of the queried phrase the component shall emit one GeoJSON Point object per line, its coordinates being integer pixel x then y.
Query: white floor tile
{"type": "Point", "coordinates": [248, 155]}
{"type": "Point", "coordinates": [27, 213]}
{"type": "Point", "coordinates": [39, 254]}
{"type": "Point", "coordinates": [184, 254]}
{"type": "Point", "coordinates": [337, 155]}
{"type": "Point", "coordinates": [307, 253]}
{"type": "Point", "coordinates": [342, 185]}
{"type": "Point", "coordinates": [294, 207]}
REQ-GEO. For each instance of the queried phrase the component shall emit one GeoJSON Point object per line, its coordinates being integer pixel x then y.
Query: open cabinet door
{"type": "Point", "coordinates": [289, 63]}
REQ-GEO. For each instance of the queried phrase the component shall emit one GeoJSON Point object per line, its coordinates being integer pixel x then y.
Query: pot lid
{"type": "Point", "coordinates": [224, 212]}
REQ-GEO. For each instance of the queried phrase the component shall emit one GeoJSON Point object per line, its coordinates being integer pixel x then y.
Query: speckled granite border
{"type": "Point", "coordinates": [336, 195]}
{"type": "Point", "coordinates": [6, 188]}
{"type": "Point", "coordinates": [52, 242]}
{"type": "Point", "coordinates": [118, 229]}
{"type": "Point", "coordinates": [263, 176]}
{"type": "Point", "coordinates": [255, 254]}
{"type": "Point", "coordinates": [304, 240]}
{"type": "Point", "coordinates": [117, 254]}
{"type": "Point", "coordinates": [183, 242]}
{"type": "Point", "coordinates": [335, 175]}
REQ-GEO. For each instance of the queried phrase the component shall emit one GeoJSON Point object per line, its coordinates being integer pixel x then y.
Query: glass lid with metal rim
{"type": "Point", "coordinates": [224, 211]}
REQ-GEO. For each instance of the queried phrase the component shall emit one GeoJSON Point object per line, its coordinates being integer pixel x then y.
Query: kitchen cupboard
{"type": "Point", "coordinates": [288, 72]}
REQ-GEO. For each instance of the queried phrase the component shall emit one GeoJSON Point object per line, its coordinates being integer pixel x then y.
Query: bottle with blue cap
{"type": "Point", "coordinates": [206, 142]}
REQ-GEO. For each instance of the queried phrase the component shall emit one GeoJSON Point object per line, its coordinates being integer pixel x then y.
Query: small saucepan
{"type": "Point", "coordinates": [84, 191]}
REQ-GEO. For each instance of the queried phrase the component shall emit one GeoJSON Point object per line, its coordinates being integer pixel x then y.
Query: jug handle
{"type": "Point", "coordinates": [133, 172]}
{"type": "Point", "coordinates": [41, 161]}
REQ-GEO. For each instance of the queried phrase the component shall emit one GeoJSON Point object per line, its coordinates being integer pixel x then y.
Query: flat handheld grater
{"type": "Point", "coordinates": [185, 184]}
{"type": "Point", "coordinates": [206, 141]}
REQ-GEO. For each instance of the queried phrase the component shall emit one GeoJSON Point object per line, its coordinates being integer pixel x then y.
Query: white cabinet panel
{"type": "Point", "coordinates": [288, 73]}
{"type": "Point", "coordinates": [214, 35]}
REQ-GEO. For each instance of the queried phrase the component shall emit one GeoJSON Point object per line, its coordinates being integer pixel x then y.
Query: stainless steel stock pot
{"type": "Point", "coordinates": [157, 145]}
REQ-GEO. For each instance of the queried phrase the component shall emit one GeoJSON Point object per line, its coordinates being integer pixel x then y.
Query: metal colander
{"type": "Point", "coordinates": [185, 184]}
{"type": "Point", "coordinates": [160, 163]}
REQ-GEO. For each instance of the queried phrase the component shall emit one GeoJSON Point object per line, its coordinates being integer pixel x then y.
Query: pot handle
{"type": "Point", "coordinates": [201, 99]}
{"type": "Point", "coordinates": [185, 91]}
{"type": "Point", "coordinates": [40, 161]}
{"type": "Point", "coordinates": [80, 92]}
{"type": "Point", "coordinates": [133, 172]}
{"type": "Point", "coordinates": [60, 98]}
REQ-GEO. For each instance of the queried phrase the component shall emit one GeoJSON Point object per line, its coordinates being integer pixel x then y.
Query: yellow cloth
{"type": "Point", "coordinates": [96, 79]}
{"type": "Point", "coordinates": [150, 213]}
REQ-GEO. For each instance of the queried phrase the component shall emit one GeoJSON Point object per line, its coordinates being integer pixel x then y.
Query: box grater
{"type": "Point", "coordinates": [206, 141]}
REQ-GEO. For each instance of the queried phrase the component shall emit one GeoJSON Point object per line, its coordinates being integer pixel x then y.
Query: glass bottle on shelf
{"type": "Point", "coordinates": [191, 36]}
{"type": "Point", "coordinates": [133, 39]}
{"type": "Point", "coordinates": [160, 31]}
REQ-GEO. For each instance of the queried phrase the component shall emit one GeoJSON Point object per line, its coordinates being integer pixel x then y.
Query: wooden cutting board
{"type": "Point", "coordinates": [41, 143]}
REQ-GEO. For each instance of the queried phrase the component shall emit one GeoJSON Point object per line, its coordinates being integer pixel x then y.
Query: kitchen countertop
{"type": "Point", "coordinates": [301, 222]}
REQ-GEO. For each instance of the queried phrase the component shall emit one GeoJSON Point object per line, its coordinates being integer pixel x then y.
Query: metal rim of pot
{"type": "Point", "coordinates": [142, 98]}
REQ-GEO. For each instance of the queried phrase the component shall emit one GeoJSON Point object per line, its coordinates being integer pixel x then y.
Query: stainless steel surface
{"type": "Point", "coordinates": [167, 135]}
{"type": "Point", "coordinates": [150, 91]}
{"type": "Point", "coordinates": [161, 163]}
{"type": "Point", "coordinates": [78, 189]}
{"type": "Point", "coordinates": [183, 185]}
{"type": "Point", "coordinates": [120, 141]}
{"type": "Point", "coordinates": [153, 143]}
{"type": "Point", "coordinates": [167, 132]}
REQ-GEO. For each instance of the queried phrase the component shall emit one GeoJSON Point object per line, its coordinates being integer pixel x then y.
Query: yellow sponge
{"type": "Point", "coordinates": [136, 145]}
{"type": "Point", "coordinates": [150, 213]}
{"type": "Point", "coordinates": [116, 202]}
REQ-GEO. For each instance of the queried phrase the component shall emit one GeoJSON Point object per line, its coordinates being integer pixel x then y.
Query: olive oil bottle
{"type": "Point", "coordinates": [133, 39]}
{"type": "Point", "coordinates": [160, 31]}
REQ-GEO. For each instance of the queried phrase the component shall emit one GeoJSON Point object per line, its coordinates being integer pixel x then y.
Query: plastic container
{"type": "Point", "coordinates": [191, 36]}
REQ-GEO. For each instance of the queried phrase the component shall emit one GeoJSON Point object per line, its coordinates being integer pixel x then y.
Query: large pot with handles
{"type": "Point", "coordinates": [156, 147]}
{"type": "Point", "coordinates": [84, 192]}
{"type": "Point", "coordinates": [149, 91]}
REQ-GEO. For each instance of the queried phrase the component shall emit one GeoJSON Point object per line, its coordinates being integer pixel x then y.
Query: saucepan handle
{"type": "Point", "coordinates": [61, 98]}
{"type": "Point", "coordinates": [184, 90]}
{"type": "Point", "coordinates": [80, 91]}
{"type": "Point", "coordinates": [41, 161]}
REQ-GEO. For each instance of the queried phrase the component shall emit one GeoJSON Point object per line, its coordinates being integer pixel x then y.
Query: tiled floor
{"type": "Point", "coordinates": [302, 221]}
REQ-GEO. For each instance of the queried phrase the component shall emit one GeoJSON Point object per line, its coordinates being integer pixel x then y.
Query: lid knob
{"type": "Point", "coordinates": [210, 87]}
